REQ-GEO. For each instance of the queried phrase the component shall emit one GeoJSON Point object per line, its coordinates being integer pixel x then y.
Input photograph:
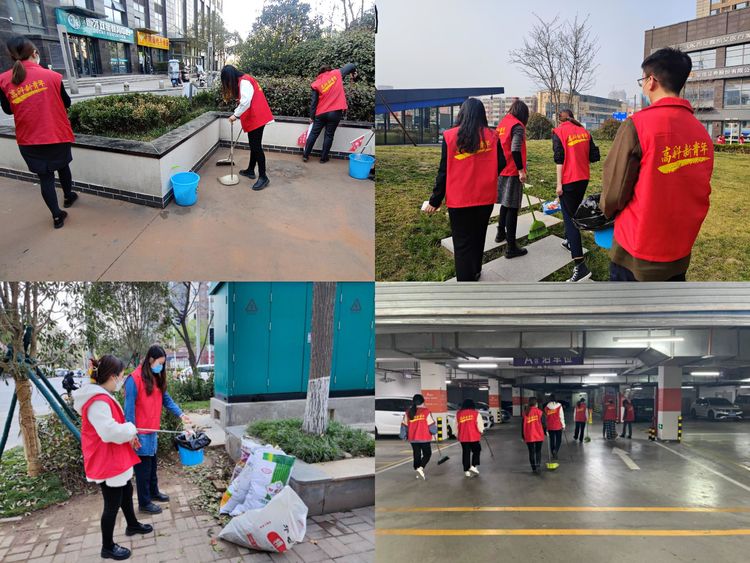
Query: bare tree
{"type": "Point", "coordinates": [321, 357]}
{"type": "Point", "coordinates": [579, 48]}
{"type": "Point", "coordinates": [184, 298]}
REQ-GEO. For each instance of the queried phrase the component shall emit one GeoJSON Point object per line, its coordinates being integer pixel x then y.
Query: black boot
{"type": "Point", "coordinates": [515, 251]}
{"type": "Point", "coordinates": [500, 236]}
{"type": "Point", "coordinates": [139, 529]}
{"type": "Point", "coordinates": [116, 552]}
{"type": "Point", "coordinates": [59, 221]}
{"type": "Point", "coordinates": [150, 508]}
{"type": "Point", "coordinates": [247, 173]}
{"type": "Point", "coordinates": [262, 182]}
{"type": "Point", "coordinates": [70, 200]}
{"type": "Point", "coordinates": [161, 497]}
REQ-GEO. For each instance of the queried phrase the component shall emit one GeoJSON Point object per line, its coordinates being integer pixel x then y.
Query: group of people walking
{"type": "Point", "coordinates": [38, 101]}
{"type": "Point", "coordinates": [661, 155]}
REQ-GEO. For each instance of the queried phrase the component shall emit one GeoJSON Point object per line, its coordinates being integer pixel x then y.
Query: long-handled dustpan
{"type": "Point", "coordinates": [231, 179]}
{"type": "Point", "coordinates": [551, 465]}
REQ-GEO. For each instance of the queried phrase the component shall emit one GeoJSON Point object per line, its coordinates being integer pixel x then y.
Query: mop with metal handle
{"type": "Point", "coordinates": [231, 179]}
{"type": "Point", "coordinates": [486, 441]}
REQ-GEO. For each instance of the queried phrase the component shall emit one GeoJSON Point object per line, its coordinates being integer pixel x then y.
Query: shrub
{"type": "Point", "coordinates": [191, 389]}
{"type": "Point", "coordinates": [61, 453]}
{"type": "Point", "coordinates": [733, 148]}
{"type": "Point", "coordinates": [539, 127]}
{"type": "Point", "coordinates": [607, 130]}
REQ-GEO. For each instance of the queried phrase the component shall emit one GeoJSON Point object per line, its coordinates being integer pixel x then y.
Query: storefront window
{"type": "Point", "coordinates": [737, 93]}
{"type": "Point", "coordinates": [703, 59]}
{"type": "Point", "coordinates": [738, 55]}
{"type": "Point", "coordinates": [119, 58]}
{"type": "Point", "coordinates": [26, 14]}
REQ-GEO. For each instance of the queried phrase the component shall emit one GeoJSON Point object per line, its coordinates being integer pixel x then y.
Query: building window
{"type": "Point", "coordinates": [700, 94]}
{"type": "Point", "coordinates": [139, 13]}
{"type": "Point", "coordinates": [738, 55]}
{"type": "Point", "coordinates": [79, 3]}
{"type": "Point", "coordinates": [157, 18]}
{"type": "Point", "coordinates": [703, 59]}
{"type": "Point", "coordinates": [26, 14]}
{"type": "Point", "coordinates": [737, 93]}
{"type": "Point", "coordinates": [741, 5]}
{"type": "Point", "coordinates": [114, 11]}
{"type": "Point", "coordinates": [713, 12]}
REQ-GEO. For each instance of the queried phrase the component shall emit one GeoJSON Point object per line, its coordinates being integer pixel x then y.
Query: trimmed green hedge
{"type": "Point", "coordinates": [733, 148]}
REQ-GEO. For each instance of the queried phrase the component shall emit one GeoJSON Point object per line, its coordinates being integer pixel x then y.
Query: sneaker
{"type": "Point", "coordinates": [474, 470]}
{"type": "Point", "coordinates": [68, 201]}
{"type": "Point", "coordinates": [500, 236]}
{"type": "Point", "coordinates": [59, 221]}
{"type": "Point", "coordinates": [580, 273]}
{"type": "Point", "coordinates": [420, 473]}
{"type": "Point", "coordinates": [565, 244]}
{"type": "Point", "coordinates": [467, 473]}
{"type": "Point", "coordinates": [139, 529]}
{"type": "Point", "coordinates": [262, 182]}
{"type": "Point", "coordinates": [116, 552]}
{"type": "Point", "coordinates": [248, 174]}
{"type": "Point", "coordinates": [515, 252]}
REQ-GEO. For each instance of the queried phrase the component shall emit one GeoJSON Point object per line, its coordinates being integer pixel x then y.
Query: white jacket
{"type": "Point", "coordinates": [553, 405]}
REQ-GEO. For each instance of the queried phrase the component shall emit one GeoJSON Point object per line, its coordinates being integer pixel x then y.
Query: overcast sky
{"type": "Point", "coordinates": [464, 43]}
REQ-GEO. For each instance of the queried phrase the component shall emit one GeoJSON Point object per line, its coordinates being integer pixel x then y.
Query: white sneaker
{"type": "Point", "coordinates": [474, 470]}
{"type": "Point", "coordinates": [467, 473]}
{"type": "Point", "coordinates": [420, 473]}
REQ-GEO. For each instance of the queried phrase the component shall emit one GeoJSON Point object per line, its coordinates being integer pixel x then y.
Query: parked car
{"type": "Point", "coordinates": [388, 414]}
{"type": "Point", "coordinates": [504, 413]}
{"type": "Point", "coordinates": [743, 401]}
{"type": "Point", "coordinates": [644, 409]}
{"type": "Point", "coordinates": [453, 408]}
{"type": "Point", "coordinates": [715, 408]}
{"type": "Point", "coordinates": [61, 372]}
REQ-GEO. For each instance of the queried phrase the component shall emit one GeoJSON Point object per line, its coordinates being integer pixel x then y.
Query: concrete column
{"type": "Point", "coordinates": [494, 400]}
{"type": "Point", "coordinates": [668, 402]}
{"type": "Point", "coordinates": [435, 393]}
{"type": "Point", "coordinates": [516, 401]}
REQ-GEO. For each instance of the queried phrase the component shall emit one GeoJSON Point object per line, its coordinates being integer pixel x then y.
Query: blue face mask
{"type": "Point", "coordinates": [156, 368]}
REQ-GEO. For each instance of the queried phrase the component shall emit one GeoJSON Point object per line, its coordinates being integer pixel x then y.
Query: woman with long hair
{"type": "Point", "coordinates": [511, 132]}
{"type": "Point", "coordinates": [418, 427]}
{"type": "Point", "coordinates": [467, 178]}
{"type": "Point", "coordinates": [254, 114]}
{"type": "Point", "coordinates": [532, 432]}
{"type": "Point", "coordinates": [145, 396]}
{"type": "Point", "coordinates": [470, 430]}
{"type": "Point", "coordinates": [107, 441]}
{"type": "Point", "coordinates": [573, 149]}
{"type": "Point", "coordinates": [327, 106]}
{"type": "Point", "coordinates": [38, 101]}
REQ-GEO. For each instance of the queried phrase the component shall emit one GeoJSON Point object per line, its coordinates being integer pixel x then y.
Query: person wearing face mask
{"type": "Point", "coordinates": [36, 98]}
{"type": "Point", "coordinates": [145, 396]}
{"type": "Point", "coordinates": [107, 441]}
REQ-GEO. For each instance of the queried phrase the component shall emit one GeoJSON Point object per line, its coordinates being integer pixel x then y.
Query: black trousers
{"type": "Point", "coordinates": [508, 222]}
{"type": "Point", "coordinates": [146, 481]}
{"type": "Point", "coordinates": [470, 454]}
{"type": "Point", "coordinates": [47, 183]}
{"type": "Point", "coordinates": [535, 453]}
{"type": "Point", "coordinates": [328, 121]}
{"type": "Point", "coordinates": [629, 426]}
{"type": "Point", "coordinates": [469, 229]}
{"type": "Point", "coordinates": [257, 156]}
{"type": "Point", "coordinates": [580, 431]}
{"type": "Point", "coordinates": [422, 454]}
{"type": "Point", "coordinates": [620, 273]}
{"type": "Point", "coordinates": [570, 200]}
{"type": "Point", "coordinates": [555, 439]}
{"type": "Point", "coordinates": [116, 498]}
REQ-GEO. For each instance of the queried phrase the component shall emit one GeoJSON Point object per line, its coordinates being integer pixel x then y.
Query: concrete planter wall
{"type": "Point", "coordinates": [139, 172]}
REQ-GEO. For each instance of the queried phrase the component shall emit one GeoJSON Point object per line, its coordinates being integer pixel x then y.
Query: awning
{"type": "Point", "coordinates": [402, 99]}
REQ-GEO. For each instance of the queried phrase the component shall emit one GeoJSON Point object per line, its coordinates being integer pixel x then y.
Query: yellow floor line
{"type": "Point", "coordinates": [561, 509]}
{"type": "Point", "coordinates": [560, 532]}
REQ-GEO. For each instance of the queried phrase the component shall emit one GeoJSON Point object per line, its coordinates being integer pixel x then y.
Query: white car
{"type": "Point", "coordinates": [389, 411]}
{"type": "Point", "coordinates": [715, 408]}
{"type": "Point", "coordinates": [453, 408]}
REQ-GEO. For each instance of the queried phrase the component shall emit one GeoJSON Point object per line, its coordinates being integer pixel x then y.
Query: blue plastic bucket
{"type": "Point", "coordinates": [360, 165]}
{"type": "Point", "coordinates": [185, 187]}
{"type": "Point", "coordinates": [604, 237]}
{"type": "Point", "coordinates": [190, 457]}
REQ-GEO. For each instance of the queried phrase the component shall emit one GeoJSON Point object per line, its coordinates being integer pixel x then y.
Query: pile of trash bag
{"type": "Point", "coordinates": [589, 216]}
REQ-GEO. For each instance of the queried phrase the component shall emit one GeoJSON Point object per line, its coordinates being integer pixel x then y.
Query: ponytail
{"type": "Point", "coordinates": [20, 49]}
{"type": "Point", "coordinates": [415, 402]}
{"type": "Point", "coordinates": [19, 73]}
{"type": "Point", "coordinates": [567, 115]}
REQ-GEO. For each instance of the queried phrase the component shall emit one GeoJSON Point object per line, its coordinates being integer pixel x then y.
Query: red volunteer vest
{"type": "Point", "coordinates": [553, 418]}
{"type": "Point", "coordinates": [576, 142]}
{"type": "Point", "coordinates": [580, 414]}
{"type": "Point", "coordinates": [330, 88]}
{"type": "Point", "coordinates": [419, 430]}
{"type": "Point", "coordinates": [102, 460]}
{"type": "Point", "coordinates": [467, 425]}
{"type": "Point", "coordinates": [533, 431]}
{"type": "Point", "coordinates": [38, 109]}
{"type": "Point", "coordinates": [147, 407]}
{"type": "Point", "coordinates": [676, 169]}
{"type": "Point", "coordinates": [503, 133]}
{"type": "Point", "coordinates": [610, 412]}
{"type": "Point", "coordinates": [259, 113]}
{"type": "Point", "coordinates": [629, 413]}
{"type": "Point", "coordinates": [471, 178]}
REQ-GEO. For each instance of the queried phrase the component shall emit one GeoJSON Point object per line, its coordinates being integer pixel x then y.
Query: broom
{"type": "Point", "coordinates": [492, 455]}
{"type": "Point", "coordinates": [587, 439]}
{"type": "Point", "coordinates": [538, 228]}
{"type": "Point", "coordinates": [442, 459]}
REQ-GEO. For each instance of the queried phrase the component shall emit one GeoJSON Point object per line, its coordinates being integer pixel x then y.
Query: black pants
{"type": "Point", "coordinates": [629, 426]}
{"type": "Point", "coordinates": [469, 229]}
{"type": "Point", "coordinates": [620, 273]}
{"type": "Point", "coordinates": [555, 439]}
{"type": "Point", "coordinates": [145, 479]}
{"type": "Point", "coordinates": [328, 121]}
{"type": "Point", "coordinates": [422, 454]}
{"type": "Point", "coordinates": [535, 453]}
{"type": "Point", "coordinates": [508, 222]}
{"type": "Point", "coordinates": [116, 498]}
{"type": "Point", "coordinates": [580, 430]}
{"type": "Point", "coordinates": [470, 454]}
{"type": "Point", "coordinates": [257, 156]}
{"type": "Point", "coordinates": [47, 183]}
{"type": "Point", "coordinates": [570, 200]}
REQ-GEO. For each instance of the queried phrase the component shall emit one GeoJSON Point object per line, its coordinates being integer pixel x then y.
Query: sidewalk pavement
{"type": "Point", "coordinates": [312, 222]}
{"type": "Point", "coordinates": [70, 533]}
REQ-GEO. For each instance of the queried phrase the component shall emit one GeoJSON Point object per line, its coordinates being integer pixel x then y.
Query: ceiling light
{"type": "Point", "coordinates": [602, 375]}
{"type": "Point", "coordinates": [647, 339]}
{"type": "Point", "coordinates": [448, 381]}
{"type": "Point", "coordinates": [477, 366]}
{"type": "Point", "coordinates": [706, 373]}
{"type": "Point", "coordinates": [687, 386]}
{"type": "Point", "coordinates": [744, 386]}
{"type": "Point", "coordinates": [484, 388]}
{"type": "Point", "coordinates": [636, 388]}
{"type": "Point", "coordinates": [493, 359]}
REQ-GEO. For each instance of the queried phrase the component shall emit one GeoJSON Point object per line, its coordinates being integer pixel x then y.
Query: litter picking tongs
{"type": "Point", "coordinates": [165, 431]}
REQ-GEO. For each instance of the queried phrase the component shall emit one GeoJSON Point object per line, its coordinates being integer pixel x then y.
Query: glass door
{"type": "Point", "coordinates": [732, 131]}
{"type": "Point", "coordinates": [84, 55]}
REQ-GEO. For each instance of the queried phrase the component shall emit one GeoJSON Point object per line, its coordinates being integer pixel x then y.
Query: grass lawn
{"type": "Point", "coordinates": [194, 406]}
{"type": "Point", "coordinates": [408, 242]}
{"type": "Point", "coordinates": [19, 493]}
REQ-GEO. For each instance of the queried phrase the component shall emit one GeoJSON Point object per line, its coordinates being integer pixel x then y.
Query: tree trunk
{"type": "Point", "coordinates": [27, 422]}
{"type": "Point", "coordinates": [321, 356]}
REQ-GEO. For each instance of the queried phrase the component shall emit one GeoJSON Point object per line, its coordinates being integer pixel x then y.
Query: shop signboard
{"type": "Point", "coordinates": [92, 27]}
{"type": "Point", "coordinates": [152, 40]}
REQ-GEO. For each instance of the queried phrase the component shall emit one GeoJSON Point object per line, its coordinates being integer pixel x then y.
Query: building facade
{"type": "Point", "coordinates": [109, 37]}
{"type": "Point", "coordinates": [712, 7]}
{"type": "Point", "coordinates": [719, 86]}
{"type": "Point", "coordinates": [591, 111]}
{"type": "Point", "coordinates": [497, 106]}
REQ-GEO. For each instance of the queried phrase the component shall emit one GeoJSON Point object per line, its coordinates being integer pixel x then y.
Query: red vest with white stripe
{"type": "Point", "coordinates": [671, 197]}
{"type": "Point", "coordinates": [466, 419]}
{"type": "Point", "coordinates": [629, 413]}
{"type": "Point", "coordinates": [610, 412]}
{"type": "Point", "coordinates": [553, 418]}
{"type": "Point", "coordinates": [259, 113]}
{"type": "Point", "coordinates": [580, 414]}
{"type": "Point", "coordinates": [576, 142]}
{"type": "Point", "coordinates": [504, 129]}
{"type": "Point", "coordinates": [38, 109]}
{"type": "Point", "coordinates": [533, 431]}
{"type": "Point", "coordinates": [419, 430]}
{"type": "Point", "coordinates": [471, 178]}
{"type": "Point", "coordinates": [102, 460]}
{"type": "Point", "coordinates": [147, 407]}
{"type": "Point", "coordinates": [331, 95]}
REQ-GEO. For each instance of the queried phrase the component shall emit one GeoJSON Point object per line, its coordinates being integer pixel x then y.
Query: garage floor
{"type": "Point", "coordinates": [645, 502]}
